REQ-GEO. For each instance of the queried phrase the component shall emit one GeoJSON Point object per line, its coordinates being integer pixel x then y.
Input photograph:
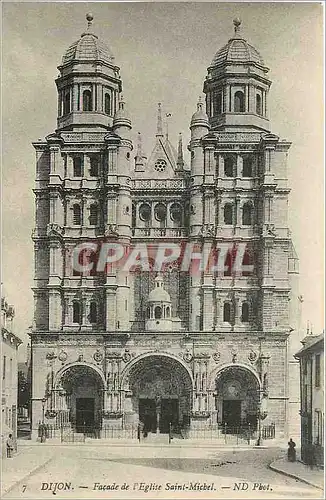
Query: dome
{"type": "Point", "coordinates": [159, 294]}
{"type": "Point", "coordinates": [237, 50]}
{"type": "Point", "coordinates": [200, 117]}
{"type": "Point", "coordinates": [88, 48]}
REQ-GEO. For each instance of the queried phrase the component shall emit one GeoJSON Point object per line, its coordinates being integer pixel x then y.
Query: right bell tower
{"type": "Point", "coordinates": [237, 86]}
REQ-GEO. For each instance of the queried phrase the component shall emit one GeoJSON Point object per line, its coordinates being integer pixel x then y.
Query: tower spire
{"type": "Point", "coordinates": [159, 131]}
{"type": "Point", "coordinates": [139, 158]}
{"type": "Point", "coordinates": [180, 161]}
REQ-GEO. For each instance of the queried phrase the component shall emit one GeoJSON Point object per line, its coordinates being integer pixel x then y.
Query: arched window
{"type": "Point", "coordinates": [228, 166]}
{"type": "Point", "coordinates": [93, 312]}
{"type": "Point", "coordinates": [227, 312]}
{"type": "Point", "coordinates": [76, 312]}
{"type": "Point", "coordinates": [259, 110]}
{"type": "Point", "coordinates": [148, 312]}
{"type": "Point", "coordinates": [228, 213]}
{"type": "Point", "coordinates": [145, 212]}
{"type": "Point", "coordinates": [176, 213]}
{"type": "Point", "coordinates": [245, 312]}
{"type": "Point", "coordinates": [158, 312]}
{"type": "Point", "coordinates": [247, 214]}
{"type": "Point", "coordinates": [87, 100]}
{"type": "Point", "coordinates": [160, 212]}
{"type": "Point", "coordinates": [93, 215]}
{"type": "Point", "coordinates": [94, 166]}
{"type": "Point", "coordinates": [167, 312]}
{"type": "Point", "coordinates": [217, 104]}
{"type": "Point", "coordinates": [66, 103]}
{"type": "Point", "coordinates": [78, 166]}
{"type": "Point", "coordinates": [239, 102]}
{"type": "Point", "coordinates": [107, 104]}
{"type": "Point", "coordinates": [76, 209]}
{"type": "Point", "coordinates": [247, 167]}
{"type": "Point", "coordinates": [133, 215]}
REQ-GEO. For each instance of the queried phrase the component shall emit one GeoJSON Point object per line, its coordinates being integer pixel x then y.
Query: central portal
{"type": "Point", "coordinates": [161, 389]}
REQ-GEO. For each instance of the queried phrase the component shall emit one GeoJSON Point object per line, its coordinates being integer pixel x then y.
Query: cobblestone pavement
{"type": "Point", "coordinates": [137, 472]}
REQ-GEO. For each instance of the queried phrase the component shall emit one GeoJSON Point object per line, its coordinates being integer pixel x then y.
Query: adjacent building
{"type": "Point", "coordinates": [9, 371]}
{"type": "Point", "coordinates": [198, 349]}
{"type": "Point", "coordinates": [311, 358]}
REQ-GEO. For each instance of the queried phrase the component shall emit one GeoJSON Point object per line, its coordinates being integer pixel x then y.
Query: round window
{"type": "Point", "coordinates": [160, 212]}
{"type": "Point", "coordinates": [145, 212]}
{"type": "Point", "coordinates": [160, 165]}
{"type": "Point", "coordinates": [176, 212]}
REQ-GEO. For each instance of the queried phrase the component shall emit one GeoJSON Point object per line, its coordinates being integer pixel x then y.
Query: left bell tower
{"type": "Point", "coordinates": [88, 84]}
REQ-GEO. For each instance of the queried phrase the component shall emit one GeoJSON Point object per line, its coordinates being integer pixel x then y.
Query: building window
{"type": "Point", "coordinates": [66, 103]}
{"type": "Point", "coordinates": [247, 167]}
{"type": "Point", "coordinates": [87, 100]}
{"type": "Point", "coordinates": [160, 212]}
{"type": "Point", "coordinates": [145, 212]}
{"type": "Point", "coordinates": [76, 214]}
{"type": "Point", "coordinates": [247, 214]}
{"type": "Point", "coordinates": [228, 166]}
{"type": "Point", "coordinates": [227, 312]}
{"type": "Point", "coordinates": [245, 312]}
{"type": "Point", "coordinates": [319, 427]}
{"type": "Point", "coordinates": [167, 312]}
{"type": "Point", "coordinates": [93, 215]}
{"type": "Point", "coordinates": [158, 312]}
{"type": "Point", "coordinates": [160, 165]}
{"type": "Point", "coordinates": [228, 214]}
{"type": "Point", "coordinates": [94, 166]}
{"type": "Point", "coordinates": [176, 212]}
{"type": "Point", "coordinates": [317, 370]}
{"type": "Point", "coordinates": [239, 102]}
{"type": "Point", "coordinates": [78, 166]}
{"type": "Point", "coordinates": [4, 368]}
{"type": "Point", "coordinates": [76, 312]}
{"type": "Point", "coordinates": [93, 312]}
{"type": "Point", "coordinates": [107, 104]}
{"type": "Point", "coordinates": [217, 104]}
{"type": "Point", "coordinates": [258, 105]}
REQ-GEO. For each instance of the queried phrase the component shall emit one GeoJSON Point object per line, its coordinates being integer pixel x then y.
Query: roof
{"type": "Point", "coordinates": [237, 50]}
{"type": "Point", "coordinates": [159, 295]}
{"type": "Point", "coordinates": [88, 47]}
{"type": "Point", "coordinates": [311, 343]}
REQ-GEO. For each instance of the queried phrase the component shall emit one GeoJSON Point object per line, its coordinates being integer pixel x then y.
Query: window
{"type": "Point", "coordinates": [148, 312]}
{"type": "Point", "coordinates": [247, 214]}
{"type": "Point", "coordinates": [317, 370]}
{"type": "Point", "coordinates": [76, 312]}
{"type": "Point", "coordinates": [158, 312]}
{"type": "Point", "coordinates": [227, 312]}
{"type": "Point", "coordinates": [107, 104]}
{"type": "Point", "coordinates": [319, 426]}
{"type": "Point", "coordinates": [87, 100]}
{"type": "Point", "coordinates": [258, 104]}
{"type": "Point", "coordinates": [133, 215]}
{"type": "Point", "coordinates": [4, 368]}
{"type": "Point", "coordinates": [66, 103]}
{"type": "Point", "coordinates": [217, 104]}
{"type": "Point", "coordinates": [160, 165]}
{"type": "Point", "coordinates": [176, 212]}
{"type": "Point", "coordinates": [167, 312]}
{"type": "Point", "coordinates": [93, 312]}
{"type": "Point", "coordinates": [76, 214]}
{"type": "Point", "coordinates": [247, 167]}
{"type": "Point", "coordinates": [228, 213]}
{"type": "Point", "coordinates": [228, 166]}
{"type": "Point", "coordinates": [145, 212]}
{"type": "Point", "coordinates": [94, 166]}
{"type": "Point", "coordinates": [239, 102]}
{"type": "Point", "coordinates": [93, 215]}
{"type": "Point", "coordinates": [78, 166]}
{"type": "Point", "coordinates": [245, 312]}
{"type": "Point", "coordinates": [160, 212]}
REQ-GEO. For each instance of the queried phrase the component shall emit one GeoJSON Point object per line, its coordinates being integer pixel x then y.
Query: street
{"type": "Point", "coordinates": [83, 471]}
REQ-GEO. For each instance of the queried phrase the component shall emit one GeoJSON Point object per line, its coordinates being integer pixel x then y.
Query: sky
{"type": "Point", "coordinates": [163, 50]}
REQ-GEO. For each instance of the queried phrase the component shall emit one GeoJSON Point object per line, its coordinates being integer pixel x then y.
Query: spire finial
{"type": "Point", "coordinates": [139, 145]}
{"type": "Point", "coordinates": [237, 24]}
{"type": "Point", "coordinates": [89, 17]}
{"type": "Point", "coordinates": [199, 103]}
{"type": "Point", "coordinates": [159, 132]}
{"type": "Point", "coordinates": [180, 162]}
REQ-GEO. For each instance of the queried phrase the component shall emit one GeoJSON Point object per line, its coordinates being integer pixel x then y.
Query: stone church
{"type": "Point", "coordinates": [192, 351]}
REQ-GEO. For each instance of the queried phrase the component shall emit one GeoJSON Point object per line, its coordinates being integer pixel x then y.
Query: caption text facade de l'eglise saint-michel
{"type": "Point", "coordinates": [171, 348]}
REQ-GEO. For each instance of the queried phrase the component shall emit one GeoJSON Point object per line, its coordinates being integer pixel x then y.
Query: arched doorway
{"type": "Point", "coordinates": [237, 396]}
{"type": "Point", "coordinates": [80, 394]}
{"type": "Point", "coordinates": [161, 390]}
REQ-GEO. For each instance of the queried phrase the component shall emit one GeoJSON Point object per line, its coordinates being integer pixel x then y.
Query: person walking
{"type": "Point", "coordinates": [10, 446]}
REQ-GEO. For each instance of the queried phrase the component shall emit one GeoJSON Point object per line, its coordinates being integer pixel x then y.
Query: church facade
{"type": "Point", "coordinates": [165, 347]}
